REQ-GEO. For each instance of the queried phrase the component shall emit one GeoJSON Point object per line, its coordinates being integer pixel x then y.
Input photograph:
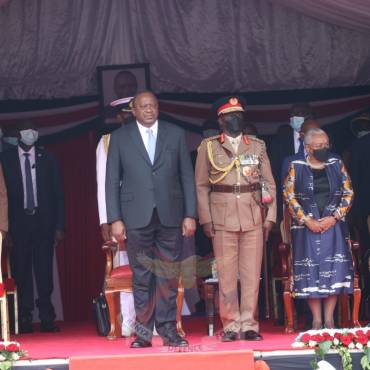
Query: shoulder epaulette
{"type": "Point", "coordinates": [253, 138]}
{"type": "Point", "coordinates": [106, 139]}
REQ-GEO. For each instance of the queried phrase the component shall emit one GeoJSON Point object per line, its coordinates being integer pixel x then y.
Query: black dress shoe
{"type": "Point", "coordinates": [174, 340]}
{"type": "Point", "coordinates": [49, 327]}
{"type": "Point", "coordinates": [229, 336]}
{"type": "Point", "coordinates": [25, 327]}
{"type": "Point", "coordinates": [140, 343]}
{"type": "Point", "coordinates": [251, 335]}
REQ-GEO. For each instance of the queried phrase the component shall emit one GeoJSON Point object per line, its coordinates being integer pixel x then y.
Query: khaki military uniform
{"type": "Point", "coordinates": [237, 220]}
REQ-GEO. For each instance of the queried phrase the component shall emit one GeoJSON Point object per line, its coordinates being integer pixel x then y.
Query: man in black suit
{"type": "Point", "coordinates": [151, 202]}
{"type": "Point", "coordinates": [36, 224]}
{"type": "Point", "coordinates": [287, 142]}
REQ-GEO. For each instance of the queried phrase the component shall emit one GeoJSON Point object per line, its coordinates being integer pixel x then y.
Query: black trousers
{"type": "Point", "coordinates": [33, 251]}
{"type": "Point", "coordinates": [154, 252]}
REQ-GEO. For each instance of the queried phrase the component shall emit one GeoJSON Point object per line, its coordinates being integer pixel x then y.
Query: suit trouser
{"type": "Point", "coordinates": [154, 253]}
{"type": "Point", "coordinates": [33, 250]}
{"type": "Point", "coordinates": [238, 252]}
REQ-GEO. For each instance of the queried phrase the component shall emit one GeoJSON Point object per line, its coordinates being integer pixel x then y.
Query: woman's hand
{"type": "Point", "coordinates": [327, 222]}
{"type": "Point", "coordinates": [313, 225]}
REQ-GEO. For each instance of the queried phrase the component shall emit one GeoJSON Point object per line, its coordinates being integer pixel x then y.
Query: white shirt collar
{"type": "Point", "coordinates": [31, 152]}
{"type": "Point", "coordinates": [143, 129]}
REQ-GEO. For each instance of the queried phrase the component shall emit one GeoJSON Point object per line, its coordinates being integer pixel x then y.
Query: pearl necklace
{"type": "Point", "coordinates": [315, 166]}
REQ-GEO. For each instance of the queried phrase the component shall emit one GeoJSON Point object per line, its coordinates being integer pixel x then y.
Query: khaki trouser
{"type": "Point", "coordinates": [238, 252]}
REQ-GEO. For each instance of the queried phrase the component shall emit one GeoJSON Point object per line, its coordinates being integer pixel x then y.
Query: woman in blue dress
{"type": "Point", "coordinates": [318, 194]}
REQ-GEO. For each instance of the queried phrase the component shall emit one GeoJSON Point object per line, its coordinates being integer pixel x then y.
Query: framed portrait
{"type": "Point", "coordinates": [118, 82]}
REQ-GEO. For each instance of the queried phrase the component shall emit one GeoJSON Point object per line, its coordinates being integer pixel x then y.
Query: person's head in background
{"type": "Point", "coordinates": [360, 125]}
{"type": "Point", "coordinates": [10, 137]}
{"type": "Point", "coordinates": [210, 128]}
{"type": "Point", "coordinates": [299, 113]}
{"type": "Point", "coordinates": [250, 129]}
{"type": "Point", "coordinates": [27, 135]}
{"type": "Point", "coordinates": [125, 84]}
{"type": "Point", "coordinates": [124, 107]}
{"type": "Point", "coordinates": [308, 125]}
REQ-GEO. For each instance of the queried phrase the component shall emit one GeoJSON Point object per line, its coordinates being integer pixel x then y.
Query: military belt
{"type": "Point", "coordinates": [236, 189]}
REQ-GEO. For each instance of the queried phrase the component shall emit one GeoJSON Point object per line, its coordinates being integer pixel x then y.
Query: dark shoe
{"type": "Point", "coordinates": [49, 327]}
{"type": "Point", "coordinates": [251, 335]}
{"type": "Point", "coordinates": [229, 336]}
{"type": "Point", "coordinates": [174, 340]}
{"type": "Point", "coordinates": [140, 343]}
{"type": "Point", "coordinates": [25, 327]}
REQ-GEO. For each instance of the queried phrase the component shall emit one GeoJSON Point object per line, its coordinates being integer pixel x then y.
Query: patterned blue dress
{"type": "Point", "coordinates": [322, 262]}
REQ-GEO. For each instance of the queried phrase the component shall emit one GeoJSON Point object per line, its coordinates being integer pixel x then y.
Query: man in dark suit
{"type": "Point", "coordinates": [36, 224]}
{"type": "Point", "coordinates": [151, 202]}
{"type": "Point", "coordinates": [287, 142]}
{"type": "Point", "coordinates": [307, 125]}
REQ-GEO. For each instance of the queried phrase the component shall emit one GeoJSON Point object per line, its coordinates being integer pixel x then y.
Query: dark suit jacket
{"type": "Point", "coordinates": [360, 174]}
{"type": "Point", "coordinates": [50, 195]}
{"type": "Point", "coordinates": [134, 186]}
{"type": "Point", "coordinates": [282, 146]}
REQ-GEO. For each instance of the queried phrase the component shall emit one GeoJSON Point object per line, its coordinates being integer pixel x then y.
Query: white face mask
{"type": "Point", "coordinates": [29, 137]}
{"type": "Point", "coordinates": [360, 134]}
{"type": "Point", "coordinates": [11, 140]}
{"type": "Point", "coordinates": [296, 123]}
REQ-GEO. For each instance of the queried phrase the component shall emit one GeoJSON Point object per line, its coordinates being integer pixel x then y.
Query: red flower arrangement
{"type": "Point", "coordinates": [10, 352]}
{"type": "Point", "coordinates": [341, 340]}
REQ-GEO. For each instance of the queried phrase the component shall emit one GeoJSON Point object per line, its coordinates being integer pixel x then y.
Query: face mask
{"type": "Point", "coordinates": [234, 124]}
{"type": "Point", "coordinates": [321, 155]}
{"type": "Point", "coordinates": [10, 140]}
{"type": "Point", "coordinates": [362, 134]}
{"type": "Point", "coordinates": [29, 137]}
{"type": "Point", "coordinates": [296, 123]}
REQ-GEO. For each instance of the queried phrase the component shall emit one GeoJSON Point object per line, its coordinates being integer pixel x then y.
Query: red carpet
{"type": "Point", "coordinates": [80, 339]}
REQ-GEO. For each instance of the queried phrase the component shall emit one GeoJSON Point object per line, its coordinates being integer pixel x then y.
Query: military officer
{"type": "Point", "coordinates": [234, 183]}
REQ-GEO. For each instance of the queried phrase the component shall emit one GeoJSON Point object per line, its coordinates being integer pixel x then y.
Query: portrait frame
{"type": "Point", "coordinates": [117, 80]}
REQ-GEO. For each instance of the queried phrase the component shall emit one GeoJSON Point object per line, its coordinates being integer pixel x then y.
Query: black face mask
{"type": "Point", "coordinates": [321, 155]}
{"type": "Point", "coordinates": [234, 124]}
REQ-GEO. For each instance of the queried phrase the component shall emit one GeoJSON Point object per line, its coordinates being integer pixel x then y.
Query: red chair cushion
{"type": "Point", "coordinates": [121, 272]}
{"type": "Point", "coordinates": [2, 290]}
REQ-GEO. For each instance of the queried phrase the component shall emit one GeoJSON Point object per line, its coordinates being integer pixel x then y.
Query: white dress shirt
{"type": "Point", "coordinates": [22, 159]}
{"type": "Point", "coordinates": [234, 141]}
{"type": "Point", "coordinates": [101, 166]}
{"type": "Point", "coordinates": [144, 133]}
{"type": "Point", "coordinates": [297, 142]}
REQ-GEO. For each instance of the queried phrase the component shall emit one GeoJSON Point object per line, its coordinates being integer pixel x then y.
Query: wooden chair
{"type": "Point", "coordinates": [119, 280]}
{"type": "Point", "coordinates": [9, 284]}
{"type": "Point", "coordinates": [286, 258]}
{"type": "Point", "coordinates": [3, 303]}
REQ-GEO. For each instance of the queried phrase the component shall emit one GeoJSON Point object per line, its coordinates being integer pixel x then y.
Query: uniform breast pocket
{"type": "Point", "coordinates": [218, 212]}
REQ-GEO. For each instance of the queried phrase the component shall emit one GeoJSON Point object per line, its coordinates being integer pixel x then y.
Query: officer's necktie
{"type": "Point", "coordinates": [30, 201]}
{"type": "Point", "coordinates": [301, 147]}
{"type": "Point", "coordinates": [151, 144]}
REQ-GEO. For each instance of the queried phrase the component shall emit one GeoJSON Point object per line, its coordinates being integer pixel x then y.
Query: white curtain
{"type": "Point", "coordinates": [51, 48]}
